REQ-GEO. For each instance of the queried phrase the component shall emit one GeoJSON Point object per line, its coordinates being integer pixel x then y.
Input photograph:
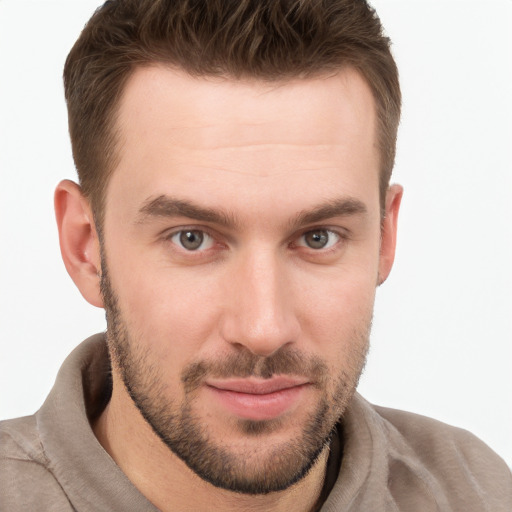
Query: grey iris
{"type": "Point", "coordinates": [316, 239]}
{"type": "Point", "coordinates": [191, 240]}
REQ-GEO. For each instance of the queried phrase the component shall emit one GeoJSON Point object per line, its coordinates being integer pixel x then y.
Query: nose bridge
{"type": "Point", "coordinates": [261, 316]}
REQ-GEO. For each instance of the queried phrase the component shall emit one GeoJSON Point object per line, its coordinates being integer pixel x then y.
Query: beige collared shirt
{"type": "Point", "coordinates": [391, 460]}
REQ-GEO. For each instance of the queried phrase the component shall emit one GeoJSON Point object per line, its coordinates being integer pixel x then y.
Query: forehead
{"type": "Point", "coordinates": [313, 111]}
{"type": "Point", "coordinates": [181, 135]}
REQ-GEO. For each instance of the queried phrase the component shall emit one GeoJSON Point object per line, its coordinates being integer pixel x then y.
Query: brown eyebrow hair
{"type": "Point", "coordinates": [273, 41]}
{"type": "Point", "coordinates": [166, 206]}
{"type": "Point", "coordinates": [342, 207]}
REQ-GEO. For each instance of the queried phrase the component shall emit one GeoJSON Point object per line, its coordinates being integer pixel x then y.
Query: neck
{"type": "Point", "coordinates": [166, 480]}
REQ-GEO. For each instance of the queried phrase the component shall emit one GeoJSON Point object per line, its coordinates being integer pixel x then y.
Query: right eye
{"type": "Point", "coordinates": [192, 240]}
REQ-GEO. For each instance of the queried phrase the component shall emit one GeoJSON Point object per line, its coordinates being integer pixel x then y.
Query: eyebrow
{"type": "Point", "coordinates": [166, 206]}
{"type": "Point", "coordinates": [342, 207]}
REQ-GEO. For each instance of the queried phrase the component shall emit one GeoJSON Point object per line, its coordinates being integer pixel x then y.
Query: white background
{"type": "Point", "coordinates": [441, 344]}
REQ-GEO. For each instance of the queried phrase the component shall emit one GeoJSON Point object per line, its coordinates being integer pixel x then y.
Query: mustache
{"type": "Point", "coordinates": [246, 364]}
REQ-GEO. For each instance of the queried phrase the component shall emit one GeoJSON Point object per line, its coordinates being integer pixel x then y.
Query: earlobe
{"type": "Point", "coordinates": [79, 242]}
{"type": "Point", "coordinates": [389, 231]}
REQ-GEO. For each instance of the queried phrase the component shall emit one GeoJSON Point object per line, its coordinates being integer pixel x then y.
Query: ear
{"type": "Point", "coordinates": [79, 244]}
{"type": "Point", "coordinates": [388, 231]}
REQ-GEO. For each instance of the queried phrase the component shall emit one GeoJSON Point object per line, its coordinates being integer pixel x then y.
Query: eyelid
{"type": "Point", "coordinates": [168, 235]}
{"type": "Point", "coordinates": [219, 238]}
{"type": "Point", "coordinates": [206, 240]}
{"type": "Point", "coordinates": [170, 232]}
{"type": "Point", "coordinates": [332, 239]}
{"type": "Point", "coordinates": [342, 233]}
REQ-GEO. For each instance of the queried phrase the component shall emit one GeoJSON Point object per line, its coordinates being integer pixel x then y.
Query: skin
{"type": "Point", "coordinates": [268, 158]}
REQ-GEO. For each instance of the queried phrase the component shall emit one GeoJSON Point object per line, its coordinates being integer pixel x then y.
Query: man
{"type": "Point", "coordinates": [234, 217]}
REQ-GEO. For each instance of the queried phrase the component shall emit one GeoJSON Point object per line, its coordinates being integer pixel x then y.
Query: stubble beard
{"type": "Point", "coordinates": [251, 471]}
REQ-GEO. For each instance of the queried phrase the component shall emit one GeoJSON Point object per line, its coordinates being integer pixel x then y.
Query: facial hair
{"type": "Point", "coordinates": [254, 471]}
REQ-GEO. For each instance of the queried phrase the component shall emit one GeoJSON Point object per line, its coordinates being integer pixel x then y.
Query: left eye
{"type": "Point", "coordinates": [318, 239]}
{"type": "Point", "coordinates": [192, 239]}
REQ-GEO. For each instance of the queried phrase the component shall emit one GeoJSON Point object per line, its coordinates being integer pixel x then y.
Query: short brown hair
{"type": "Point", "coordinates": [257, 39]}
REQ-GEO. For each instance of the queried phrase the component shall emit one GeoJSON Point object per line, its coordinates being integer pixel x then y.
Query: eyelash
{"type": "Point", "coordinates": [340, 234]}
{"type": "Point", "coordinates": [169, 237]}
{"type": "Point", "coordinates": [328, 248]}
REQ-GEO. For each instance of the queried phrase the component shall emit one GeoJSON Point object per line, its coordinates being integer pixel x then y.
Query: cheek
{"type": "Point", "coordinates": [337, 312]}
{"type": "Point", "coordinates": [343, 294]}
{"type": "Point", "coordinates": [343, 313]}
{"type": "Point", "coordinates": [168, 311]}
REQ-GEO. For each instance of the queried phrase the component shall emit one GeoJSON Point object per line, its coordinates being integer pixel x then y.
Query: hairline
{"type": "Point", "coordinates": [113, 128]}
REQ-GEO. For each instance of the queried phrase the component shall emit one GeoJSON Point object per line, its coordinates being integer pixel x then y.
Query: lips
{"type": "Point", "coordinates": [257, 399]}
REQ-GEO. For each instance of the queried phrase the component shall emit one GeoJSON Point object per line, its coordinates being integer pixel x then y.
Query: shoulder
{"type": "Point", "coordinates": [24, 468]}
{"type": "Point", "coordinates": [462, 465]}
{"type": "Point", "coordinates": [435, 441]}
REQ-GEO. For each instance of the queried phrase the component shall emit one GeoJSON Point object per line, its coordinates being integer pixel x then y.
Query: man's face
{"type": "Point", "coordinates": [241, 256]}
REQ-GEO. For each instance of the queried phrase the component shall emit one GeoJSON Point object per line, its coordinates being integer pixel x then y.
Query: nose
{"type": "Point", "coordinates": [260, 313]}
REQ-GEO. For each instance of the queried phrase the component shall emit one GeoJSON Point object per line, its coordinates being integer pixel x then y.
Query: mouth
{"type": "Point", "coordinates": [258, 399]}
